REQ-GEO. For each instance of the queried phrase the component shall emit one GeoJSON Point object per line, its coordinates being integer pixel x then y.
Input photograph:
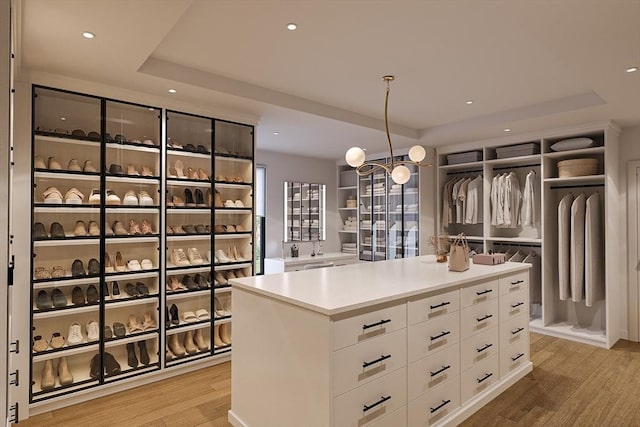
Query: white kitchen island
{"type": "Point", "coordinates": [394, 343]}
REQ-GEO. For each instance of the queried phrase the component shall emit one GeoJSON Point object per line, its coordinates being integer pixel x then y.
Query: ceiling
{"type": "Point", "coordinates": [526, 64]}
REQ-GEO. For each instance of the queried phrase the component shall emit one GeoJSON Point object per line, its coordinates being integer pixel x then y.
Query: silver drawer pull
{"type": "Point", "coordinates": [379, 402]}
{"type": "Point", "coordinates": [442, 304]}
{"type": "Point", "coordinates": [517, 331]}
{"type": "Point", "coordinates": [518, 304]}
{"type": "Point", "coordinates": [440, 335]}
{"type": "Point", "coordinates": [439, 371]}
{"type": "Point", "coordinates": [486, 291]}
{"type": "Point", "coordinates": [485, 347]}
{"type": "Point", "coordinates": [514, 358]}
{"type": "Point", "coordinates": [517, 282]}
{"type": "Point", "coordinates": [379, 359]}
{"type": "Point", "coordinates": [373, 325]}
{"type": "Point", "coordinates": [485, 317]}
{"type": "Point", "coordinates": [440, 406]}
{"type": "Point", "coordinates": [486, 377]}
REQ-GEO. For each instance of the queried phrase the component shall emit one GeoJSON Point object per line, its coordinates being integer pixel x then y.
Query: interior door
{"type": "Point", "coordinates": [633, 245]}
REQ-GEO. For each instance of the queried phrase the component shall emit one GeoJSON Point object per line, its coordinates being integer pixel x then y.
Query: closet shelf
{"type": "Point", "coordinates": [67, 140]}
{"type": "Point", "coordinates": [351, 187]}
{"type": "Point", "coordinates": [184, 327]}
{"type": "Point", "coordinates": [65, 281]}
{"type": "Point", "coordinates": [71, 241]}
{"type": "Point", "coordinates": [65, 351]}
{"type": "Point", "coordinates": [348, 231]}
{"type": "Point", "coordinates": [513, 239]}
{"type": "Point", "coordinates": [173, 296]}
{"type": "Point", "coordinates": [67, 175]}
{"type": "Point", "coordinates": [127, 301]}
{"type": "Point", "coordinates": [189, 183]}
{"type": "Point", "coordinates": [515, 161]}
{"type": "Point", "coordinates": [187, 237]}
{"type": "Point", "coordinates": [192, 270]}
{"type": "Point", "coordinates": [573, 153]}
{"type": "Point", "coordinates": [71, 310]}
{"type": "Point", "coordinates": [589, 179]}
{"type": "Point", "coordinates": [470, 165]}
{"type": "Point", "coordinates": [190, 154]}
{"type": "Point", "coordinates": [595, 337]}
{"type": "Point", "coordinates": [133, 147]}
{"type": "Point", "coordinates": [135, 337]}
{"type": "Point", "coordinates": [229, 158]}
{"type": "Point", "coordinates": [132, 239]}
{"type": "Point", "coordinates": [231, 236]}
{"type": "Point", "coordinates": [132, 179]}
{"type": "Point", "coordinates": [221, 267]}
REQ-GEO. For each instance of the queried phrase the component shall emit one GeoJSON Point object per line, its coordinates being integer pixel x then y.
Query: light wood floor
{"type": "Point", "coordinates": [571, 385]}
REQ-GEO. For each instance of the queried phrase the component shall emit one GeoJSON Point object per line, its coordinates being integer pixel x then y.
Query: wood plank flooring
{"type": "Point", "coordinates": [571, 385]}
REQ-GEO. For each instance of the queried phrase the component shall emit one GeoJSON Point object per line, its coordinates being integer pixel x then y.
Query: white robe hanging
{"type": "Point", "coordinates": [577, 248]}
{"type": "Point", "coordinates": [564, 237]}
{"type": "Point", "coordinates": [528, 200]}
{"type": "Point", "coordinates": [594, 253]}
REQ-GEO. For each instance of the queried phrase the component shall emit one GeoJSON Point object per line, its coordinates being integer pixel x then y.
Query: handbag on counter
{"type": "Point", "coordinates": [459, 254]}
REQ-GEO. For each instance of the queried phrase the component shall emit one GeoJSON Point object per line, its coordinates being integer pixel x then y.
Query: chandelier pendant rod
{"type": "Point", "coordinates": [388, 79]}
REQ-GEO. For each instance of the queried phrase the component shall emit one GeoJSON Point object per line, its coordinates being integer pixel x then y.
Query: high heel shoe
{"type": "Point", "coordinates": [216, 337]}
{"type": "Point", "coordinates": [179, 167]}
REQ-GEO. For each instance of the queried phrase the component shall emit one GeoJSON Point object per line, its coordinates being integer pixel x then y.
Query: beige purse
{"type": "Point", "coordinates": [459, 254]}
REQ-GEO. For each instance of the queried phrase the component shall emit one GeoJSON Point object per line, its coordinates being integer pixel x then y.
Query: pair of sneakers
{"type": "Point", "coordinates": [52, 195]}
{"type": "Point", "coordinates": [233, 204]}
{"type": "Point", "coordinates": [191, 257]}
{"type": "Point", "coordinates": [76, 336]}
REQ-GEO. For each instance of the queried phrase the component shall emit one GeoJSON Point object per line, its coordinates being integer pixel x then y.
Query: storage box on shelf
{"type": "Point", "coordinates": [535, 167]}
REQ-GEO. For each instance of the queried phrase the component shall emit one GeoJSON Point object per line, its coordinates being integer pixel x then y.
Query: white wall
{"type": "Point", "coordinates": [284, 167]}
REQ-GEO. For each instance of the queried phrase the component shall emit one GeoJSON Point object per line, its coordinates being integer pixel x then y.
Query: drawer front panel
{"type": "Point", "coordinates": [434, 370]}
{"type": "Point", "coordinates": [479, 347]}
{"type": "Point", "coordinates": [513, 356]}
{"type": "Point", "coordinates": [514, 304]}
{"type": "Point", "coordinates": [395, 419]}
{"type": "Point", "coordinates": [479, 318]}
{"type": "Point", "coordinates": [514, 331]}
{"type": "Point", "coordinates": [430, 408]}
{"type": "Point", "coordinates": [514, 282]}
{"type": "Point", "coordinates": [428, 337]}
{"type": "Point", "coordinates": [363, 363]}
{"type": "Point", "coordinates": [479, 293]}
{"type": "Point", "coordinates": [478, 378]}
{"type": "Point", "coordinates": [354, 330]}
{"type": "Point", "coordinates": [372, 401]}
{"type": "Point", "coordinates": [433, 307]}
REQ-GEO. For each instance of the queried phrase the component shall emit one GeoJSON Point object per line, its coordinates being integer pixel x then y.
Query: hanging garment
{"type": "Point", "coordinates": [528, 200]}
{"type": "Point", "coordinates": [594, 253]}
{"type": "Point", "coordinates": [459, 196]}
{"type": "Point", "coordinates": [577, 248]}
{"type": "Point", "coordinates": [535, 278]}
{"type": "Point", "coordinates": [462, 196]}
{"type": "Point", "coordinates": [446, 203]}
{"type": "Point", "coordinates": [473, 211]}
{"type": "Point", "coordinates": [513, 199]}
{"type": "Point", "coordinates": [456, 205]}
{"type": "Point", "coordinates": [519, 256]}
{"type": "Point", "coordinates": [501, 199]}
{"type": "Point", "coordinates": [564, 243]}
{"type": "Point", "coordinates": [493, 199]}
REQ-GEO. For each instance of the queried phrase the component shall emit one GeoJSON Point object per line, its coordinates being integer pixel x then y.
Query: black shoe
{"type": "Point", "coordinates": [201, 281]}
{"type": "Point", "coordinates": [119, 330]}
{"type": "Point", "coordinates": [56, 231]}
{"type": "Point", "coordinates": [111, 365]}
{"type": "Point", "coordinates": [108, 333]}
{"type": "Point", "coordinates": [115, 289]}
{"type": "Point", "coordinates": [144, 355]}
{"type": "Point", "coordinates": [92, 295]}
{"type": "Point", "coordinates": [43, 302]}
{"type": "Point", "coordinates": [202, 149]}
{"type": "Point", "coordinates": [94, 370]}
{"type": "Point", "coordinates": [201, 229]}
{"type": "Point", "coordinates": [200, 199]}
{"type": "Point", "coordinates": [58, 298]}
{"type": "Point", "coordinates": [120, 139]}
{"type": "Point", "coordinates": [188, 198]}
{"type": "Point", "coordinates": [77, 269]}
{"type": "Point", "coordinates": [105, 289]}
{"type": "Point", "coordinates": [77, 296]}
{"type": "Point", "coordinates": [175, 318]}
{"type": "Point", "coordinates": [190, 147]}
{"type": "Point", "coordinates": [189, 229]}
{"type": "Point", "coordinates": [167, 318]}
{"type": "Point", "coordinates": [189, 283]}
{"type": "Point", "coordinates": [131, 290]}
{"type": "Point", "coordinates": [142, 289]}
{"type": "Point", "coordinates": [115, 169]}
{"type": "Point", "coordinates": [94, 267]}
{"type": "Point", "coordinates": [39, 232]}
{"type": "Point", "coordinates": [132, 360]}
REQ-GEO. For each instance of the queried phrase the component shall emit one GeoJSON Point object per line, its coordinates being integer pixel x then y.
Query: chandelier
{"type": "Point", "coordinates": [400, 173]}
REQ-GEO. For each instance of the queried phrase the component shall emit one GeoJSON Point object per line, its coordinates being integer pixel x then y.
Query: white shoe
{"type": "Point", "coordinates": [112, 198]}
{"type": "Point", "coordinates": [194, 256]}
{"type": "Point", "coordinates": [179, 258]}
{"type": "Point", "coordinates": [134, 265]}
{"type": "Point", "coordinates": [75, 334]}
{"type": "Point", "coordinates": [239, 204]}
{"type": "Point", "coordinates": [93, 332]}
{"type": "Point", "coordinates": [229, 204]}
{"type": "Point", "coordinates": [130, 199]}
{"type": "Point", "coordinates": [222, 257]}
{"type": "Point", "coordinates": [146, 264]}
{"type": "Point", "coordinates": [145, 199]}
{"type": "Point", "coordinates": [94, 197]}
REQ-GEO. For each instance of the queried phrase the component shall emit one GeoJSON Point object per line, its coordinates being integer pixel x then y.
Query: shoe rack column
{"type": "Point", "coordinates": [234, 219]}
{"type": "Point", "coordinates": [189, 222]}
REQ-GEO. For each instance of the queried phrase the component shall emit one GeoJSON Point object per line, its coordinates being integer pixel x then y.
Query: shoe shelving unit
{"type": "Point", "coordinates": [144, 311]}
{"type": "Point", "coordinates": [598, 324]}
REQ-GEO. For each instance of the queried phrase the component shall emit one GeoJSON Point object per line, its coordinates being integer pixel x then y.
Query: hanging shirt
{"type": "Point", "coordinates": [462, 200]}
{"type": "Point", "coordinates": [494, 200]}
{"type": "Point", "coordinates": [473, 208]}
{"type": "Point", "coordinates": [456, 205]}
{"type": "Point", "coordinates": [528, 200]}
{"type": "Point", "coordinates": [564, 253]}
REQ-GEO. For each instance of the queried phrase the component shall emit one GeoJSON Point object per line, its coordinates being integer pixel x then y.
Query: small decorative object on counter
{"type": "Point", "coordinates": [294, 251]}
{"type": "Point", "coordinates": [488, 259]}
{"type": "Point", "coordinates": [440, 244]}
{"type": "Point", "coordinates": [459, 254]}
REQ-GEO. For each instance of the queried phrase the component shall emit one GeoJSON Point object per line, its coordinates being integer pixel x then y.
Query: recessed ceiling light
{"type": "Point", "coordinates": [151, 108]}
{"type": "Point", "coordinates": [507, 130]}
{"type": "Point", "coordinates": [88, 35]}
{"type": "Point", "coordinates": [63, 118]}
{"type": "Point", "coordinates": [291, 26]}
{"type": "Point", "coordinates": [469, 102]}
{"type": "Point", "coordinates": [172, 91]}
{"type": "Point", "coordinates": [276, 133]}
{"type": "Point", "coordinates": [632, 69]}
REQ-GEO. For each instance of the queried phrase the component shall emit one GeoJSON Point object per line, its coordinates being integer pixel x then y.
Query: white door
{"type": "Point", "coordinates": [633, 245]}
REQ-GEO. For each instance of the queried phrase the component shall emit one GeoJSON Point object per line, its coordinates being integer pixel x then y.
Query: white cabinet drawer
{"type": "Point", "coordinates": [514, 331]}
{"type": "Point", "coordinates": [514, 304]}
{"type": "Point", "coordinates": [433, 306]}
{"type": "Point", "coordinates": [478, 318]}
{"type": "Point", "coordinates": [479, 293]}
{"type": "Point", "coordinates": [434, 370]}
{"type": "Point", "coordinates": [514, 282]}
{"type": "Point", "coordinates": [364, 405]}
{"type": "Point", "coordinates": [430, 408]}
{"type": "Point", "coordinates": [395, 419]}
{"type": "Point", "coordinates": [353, 330]}
{"type": "Point", "coordinates": [437, 334]}
{"type": "Point", "coordinates": [478, 378]}
{"type": "Point", "coordinates": [479, 347]}
{"type": "Point", "coordinates": [513, 356]}
{"type": "Point", "coordinates": [359, 364]}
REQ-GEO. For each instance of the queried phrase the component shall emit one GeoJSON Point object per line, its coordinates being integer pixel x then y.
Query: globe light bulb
{"type": "Point", "coordinates": [400, 174]}
{"type": "Point", "coordinates": [355, 156]}
{"type": "Point", "coordinates": [417, 153]}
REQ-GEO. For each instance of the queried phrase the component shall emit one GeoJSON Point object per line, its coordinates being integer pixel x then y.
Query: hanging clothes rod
{"type": "Point", "coordinates": [556, 187]}
{"type": "Point", "coordinates": [463, 172]}
{"type": "Point", "coordinates": [516, 244]}
{"type": "Point", "coordinates": [517, 167]}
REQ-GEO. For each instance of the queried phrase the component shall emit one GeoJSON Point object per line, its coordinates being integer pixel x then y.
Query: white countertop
{"type": "Point", "coordinates": [307, 259]}
{"type": "Point", "coordinates": [337, 290]}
